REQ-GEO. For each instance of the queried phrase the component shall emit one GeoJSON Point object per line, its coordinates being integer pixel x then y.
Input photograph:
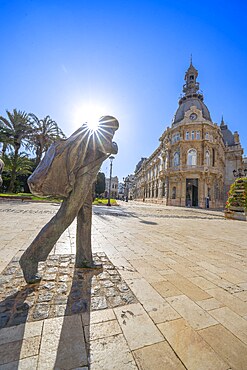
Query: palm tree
{"type": "Point", "coordinates": [24, 165]}
{"type": "Point", "coordinates": [15, 131]}
{"type": "Point", "coordinates": [4, 138]}
{"type": "Point", "coordinates": [46, 131]}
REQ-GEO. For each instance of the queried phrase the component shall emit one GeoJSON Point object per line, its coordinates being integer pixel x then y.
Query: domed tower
{"type": "Point", "coordinates": [192, 96]}
{"type": "Point", "coordinates": [195, 147]}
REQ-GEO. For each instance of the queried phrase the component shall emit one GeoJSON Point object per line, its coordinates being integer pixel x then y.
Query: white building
{"type": "Point", "coordinates": [114, 187]}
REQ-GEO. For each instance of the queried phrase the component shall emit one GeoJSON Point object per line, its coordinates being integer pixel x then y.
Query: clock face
{"type": "Point", "coordinates": [193, 116]}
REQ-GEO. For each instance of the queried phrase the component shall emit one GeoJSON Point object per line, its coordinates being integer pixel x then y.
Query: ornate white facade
{"type": "Point", "coordinates": [114, 187]}
{"type": "Point", "coordinates": [193, 165]}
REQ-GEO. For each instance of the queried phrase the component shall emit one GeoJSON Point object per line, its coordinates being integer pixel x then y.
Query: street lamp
{"type": "Point", "coordinates": [240, 173]}
{"type": "Point", "coordinates": [109, 192]}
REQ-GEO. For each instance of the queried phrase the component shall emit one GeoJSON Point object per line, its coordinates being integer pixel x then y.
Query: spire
{"type": "Point", "coordinates": [191, 86]}
{"type": "Point", "coordinates": [222, 123]}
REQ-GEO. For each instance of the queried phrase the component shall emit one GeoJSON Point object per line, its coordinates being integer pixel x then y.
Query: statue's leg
{"type": "Point", "coordinates": [83, 234]}
{"type": "Point", "coordinates": [84, 257]}
{"type": "Point", "coordinates": [46, 239]}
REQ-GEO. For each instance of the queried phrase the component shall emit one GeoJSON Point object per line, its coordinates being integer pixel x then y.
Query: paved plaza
{"type": "Point", "coordinates": [172, 293]}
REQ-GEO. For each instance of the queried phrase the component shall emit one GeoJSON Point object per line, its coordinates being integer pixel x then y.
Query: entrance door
{"type": "Point", "coordinates": [191, 192]}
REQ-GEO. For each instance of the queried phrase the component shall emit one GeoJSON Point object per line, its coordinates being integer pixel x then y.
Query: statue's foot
{"type": "Point", "coordinates": [30, 271]}
{"type": "Point", "coordinates": [89, 265]}
{"type": "Point", "coordinates": [33, 279]}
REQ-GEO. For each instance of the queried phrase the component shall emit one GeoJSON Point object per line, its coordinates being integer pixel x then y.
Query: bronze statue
{"type": "Point", "coordinates": [69, 170]}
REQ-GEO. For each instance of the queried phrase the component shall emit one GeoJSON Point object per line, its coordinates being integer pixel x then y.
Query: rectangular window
{"type": "Point", "coordinates": [192, 135]}
{"type": "Point", "coordinates": [207, 136]}
{"type": "Point", "coordinates": [175, 137]}
{"type": "Point", "coordinates": [187, 135]}
{"type": "Point", "coordinates": [197, 135]}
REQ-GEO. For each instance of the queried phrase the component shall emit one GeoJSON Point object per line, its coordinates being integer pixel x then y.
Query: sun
{"type": "Point", "coordinates": [93, 122]}
{"type": "Point", "coordinates": [90, 114]}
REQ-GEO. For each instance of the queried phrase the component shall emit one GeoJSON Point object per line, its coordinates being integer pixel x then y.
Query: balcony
{"type": "Point", "coordinates": [192, 168]}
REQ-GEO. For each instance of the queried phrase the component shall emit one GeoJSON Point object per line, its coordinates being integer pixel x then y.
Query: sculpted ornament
{"type": "Point", "coordinates": [68, 170]}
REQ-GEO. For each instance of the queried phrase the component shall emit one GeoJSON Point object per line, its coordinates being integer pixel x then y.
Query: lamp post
{"type": "Point", "coordinates": [109, 192]}
{"type": "Point", "coordinates": [240, 173]}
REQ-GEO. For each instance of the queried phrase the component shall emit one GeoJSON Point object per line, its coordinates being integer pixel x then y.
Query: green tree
{"type": "Point", "coordinates": [15, 131]}
{"type": "Point", "coordinates": [100, 183]}
{"type": "Point", "coordinates": [4, 138]}
{"type": "Point", "coordinates": [24, 167]}
{"type": "Point", "coordinates": [46, 131]}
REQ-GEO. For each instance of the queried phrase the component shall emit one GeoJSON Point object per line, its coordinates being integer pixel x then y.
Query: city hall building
{"type": "Point", "coordinates": [193, 165]}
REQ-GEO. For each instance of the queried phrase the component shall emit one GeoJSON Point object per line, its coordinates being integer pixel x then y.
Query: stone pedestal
{"type": "Point", "coordinates": [236, 215]}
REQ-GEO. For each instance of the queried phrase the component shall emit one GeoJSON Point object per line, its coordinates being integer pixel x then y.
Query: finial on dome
{"type": "Point", "coordinates": [222, 121]}
{"type": "Point", "coordinates": [191, 86]}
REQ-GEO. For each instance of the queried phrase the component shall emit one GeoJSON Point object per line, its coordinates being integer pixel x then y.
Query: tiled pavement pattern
{"type": "Point", "coordinates": [172, 295]}
{"type": "Point", "coordinates": [63, 290]}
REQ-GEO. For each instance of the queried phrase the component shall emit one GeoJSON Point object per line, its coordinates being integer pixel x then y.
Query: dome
{"type": "Point", "coordinates": [139, 164]}
{"type": "Point", "coordinates": [186, 104]}
{"type": "Point", "coordinates": [228, 137]}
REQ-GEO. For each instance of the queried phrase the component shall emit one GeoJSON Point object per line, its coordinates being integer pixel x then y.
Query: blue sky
{"type": "Point", "coordinates": [123, 58]}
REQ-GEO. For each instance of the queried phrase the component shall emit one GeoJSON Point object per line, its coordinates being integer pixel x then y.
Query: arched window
{"type": "Point", "coordinates": [191, 159]}
{"type": "Point", "coordinates": [207, 158]}
{"type": "Point", "coordinates": [174, 192]}
{"type": "Point", "coordinates": [176, 159]}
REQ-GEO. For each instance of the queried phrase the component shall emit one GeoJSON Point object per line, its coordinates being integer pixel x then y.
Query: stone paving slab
{"type": "Point", "coordinates": [158, 356]}
{"type": "Point", "coordinates": [231, 348]}
{"type": "Point", "coordinates": [172, 294]}
{"type": "Point", "coordinates": [190, 346]}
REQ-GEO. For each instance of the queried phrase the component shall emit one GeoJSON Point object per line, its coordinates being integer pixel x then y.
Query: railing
{"type": "Point", "coordinates": [188, 168]}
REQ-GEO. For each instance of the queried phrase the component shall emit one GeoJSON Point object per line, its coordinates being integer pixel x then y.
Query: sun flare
{"type": "Point", "coordinates": [90, 114]}
{"type": "Point", "coordinates": [93, 123]}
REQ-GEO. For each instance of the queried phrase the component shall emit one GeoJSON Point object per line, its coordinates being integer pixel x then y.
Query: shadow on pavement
{"type": "Point", "coordinates": [148, 222]}
{"type": "Point", "coordinates": [103, 214]}
{"type": "Point", "coordinates": [73, 349]}
{"type": "Point", "coordinates": [106, 214]}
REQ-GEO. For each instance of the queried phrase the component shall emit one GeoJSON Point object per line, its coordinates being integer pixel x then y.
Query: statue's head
{"type": "Point", "coordinates": [100, 138]}
{"type": "Point", "coordinates": [108, 125]}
